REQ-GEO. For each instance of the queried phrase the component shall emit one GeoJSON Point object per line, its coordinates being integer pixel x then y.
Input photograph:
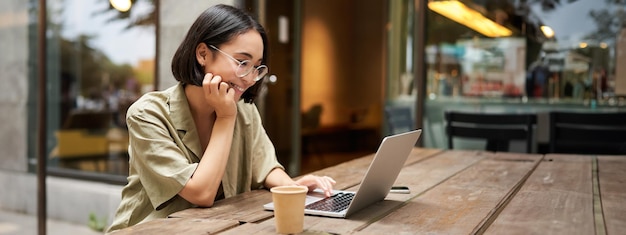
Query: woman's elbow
{"type": "Point", "coordinates": [207, 203]}
{"type": "Point", "coordinates": [201, 199]}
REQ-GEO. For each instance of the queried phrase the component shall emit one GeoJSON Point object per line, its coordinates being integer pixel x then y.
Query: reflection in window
{"type": "Point", "coordinates": [401, 89]}
{"type": "Point", "coordinates": [558, 50]}
{"type": "Point", "coordinates": [100, 60]}
{"type": "Point", "coordinates": [400, 46]}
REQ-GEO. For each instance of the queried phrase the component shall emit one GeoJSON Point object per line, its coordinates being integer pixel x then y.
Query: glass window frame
{"type": "Point", "coordinates": [53, 98]}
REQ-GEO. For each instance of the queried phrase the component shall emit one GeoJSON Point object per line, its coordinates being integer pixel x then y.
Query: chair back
{"type": "Point", "coordinates": [497, 129]}
{"type": "Point", "coordinates": [399, 119]}
{"type": "Point", "coordinates": [587, 133]}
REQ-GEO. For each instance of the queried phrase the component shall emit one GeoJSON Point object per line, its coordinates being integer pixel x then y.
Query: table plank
{"type": "Point", "coordinates": [612, 179]}
{"type": "Point", "coordinates": [464, 201]}
{"type": "Point", "coordinates": [179, 226]}
{"type": "Point", "coordinates": [265, 228]}
{"type": "Point", "coordinates": [420, 176]}
{"type": "Point", "coordinates": [557, 198]}
{"type": "Point", "coordinates": [245, 207]}
{"type": "Point", "coordinates": [252, 228]}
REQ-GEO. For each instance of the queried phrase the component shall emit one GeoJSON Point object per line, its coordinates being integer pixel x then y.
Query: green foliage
{"type": "Point", "coordinates": [95, 223]}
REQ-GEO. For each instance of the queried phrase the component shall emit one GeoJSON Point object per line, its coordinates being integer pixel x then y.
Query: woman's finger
{"type": "Point", "coordinates": [330, 179]}
{"type": "Point", "coordinates": [215, 83]}
{"type": "Point", "coordinates": [325, 185]}
{"type": "Point", "coordinates": [223, 88]}
{"type": "Point", "coordinates": [322, 185]}
{"type": "Point", "coordinates": [206, 82]}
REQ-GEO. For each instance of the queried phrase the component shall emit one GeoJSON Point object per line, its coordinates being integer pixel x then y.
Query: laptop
{"type": "Point", "coordinates": [379, 178]}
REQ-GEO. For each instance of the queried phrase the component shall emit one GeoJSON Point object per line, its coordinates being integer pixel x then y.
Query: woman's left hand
{"type": "Point", "coordinates": [325, 183]}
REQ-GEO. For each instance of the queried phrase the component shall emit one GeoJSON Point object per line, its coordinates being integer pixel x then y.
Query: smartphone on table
{"type": "Point", "coordinates": [399, 189]}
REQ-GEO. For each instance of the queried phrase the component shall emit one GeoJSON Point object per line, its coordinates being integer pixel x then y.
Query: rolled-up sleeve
{"type": "Point", "coordinates": [163, 165]}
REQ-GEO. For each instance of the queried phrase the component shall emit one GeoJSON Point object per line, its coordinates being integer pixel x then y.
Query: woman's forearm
{"type": "Point", "coordinates": [278, 177]}
{"type": "Point", "coordinates": [202, 188]}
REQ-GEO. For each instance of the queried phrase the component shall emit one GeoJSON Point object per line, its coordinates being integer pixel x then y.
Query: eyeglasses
{"type": "Point", "coordinates": [245, 66]}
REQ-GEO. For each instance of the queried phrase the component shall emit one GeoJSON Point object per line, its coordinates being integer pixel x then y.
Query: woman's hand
{"type": "Point", "coordinates": [325, 183]}
{"type": "Point", "coordinates": [278, 177]}
{"type": "Point", "coordinates": [219, 95]}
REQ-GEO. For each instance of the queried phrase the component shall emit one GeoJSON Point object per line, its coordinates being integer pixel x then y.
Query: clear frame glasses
{"type": "Point", "coordinates": [245, 67]}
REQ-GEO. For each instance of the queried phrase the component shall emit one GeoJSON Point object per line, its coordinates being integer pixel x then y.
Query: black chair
{"type": "Point", "coordinates": [497, 129]}
{"type": "Point", "coordinates": [399, 119]}
{"type": "Point", "coordinates": [587, 133]}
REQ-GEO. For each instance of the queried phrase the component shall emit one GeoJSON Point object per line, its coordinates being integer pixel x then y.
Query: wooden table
{"type": "Point", "coordinates": [452, 192]}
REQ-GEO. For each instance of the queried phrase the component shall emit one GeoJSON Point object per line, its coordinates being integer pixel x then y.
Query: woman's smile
{"type": "Point", "coordinates": [238, 89]}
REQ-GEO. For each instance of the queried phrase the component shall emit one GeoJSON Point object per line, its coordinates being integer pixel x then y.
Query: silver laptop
{"type": "Point", "coordinates": [382, 173]}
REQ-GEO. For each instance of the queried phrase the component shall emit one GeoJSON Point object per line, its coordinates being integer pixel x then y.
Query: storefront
{"type": "Point", "coordinates": [521, 57]}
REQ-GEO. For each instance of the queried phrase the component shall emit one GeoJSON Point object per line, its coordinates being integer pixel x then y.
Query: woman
{"type": "Point", "coordinates": [202, 139]}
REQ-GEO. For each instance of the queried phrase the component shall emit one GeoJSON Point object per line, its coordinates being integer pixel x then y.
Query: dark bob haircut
{"type": "Point", "coordinates": [215, 26]}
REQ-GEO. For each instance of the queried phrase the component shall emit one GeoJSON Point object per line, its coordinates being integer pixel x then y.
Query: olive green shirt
{"type": "Point", "coordinates": [165, 150]}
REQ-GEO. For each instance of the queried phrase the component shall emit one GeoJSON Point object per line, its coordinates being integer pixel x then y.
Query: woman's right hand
{"type": "Point", "coordinates": [219, 95]}
{"type": "Point", "coordinates": [325, 183]}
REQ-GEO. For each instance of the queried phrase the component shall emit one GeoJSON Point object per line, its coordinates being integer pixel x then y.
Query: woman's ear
{"type": "Point", "coordinates": [202, 51]}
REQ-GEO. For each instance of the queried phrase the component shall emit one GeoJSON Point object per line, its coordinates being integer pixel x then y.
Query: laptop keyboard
{"type": "Point", "coordinates": [334, 203]}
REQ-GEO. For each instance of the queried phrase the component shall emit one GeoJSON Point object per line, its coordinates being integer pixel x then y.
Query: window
{"type": "Point", "coordinates": [535, 50]}
{"type": "Point", "coordinates": [522, 56]}
{"type": "Point", "coordinates": [101, 58]}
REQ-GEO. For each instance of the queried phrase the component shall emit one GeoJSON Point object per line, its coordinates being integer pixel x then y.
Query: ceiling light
{"type": "Point", "coordinates": [121, 5]}
{"type": "Point", "coordinates": [547, 31]}
{"type": "Point", "coordinates": [464, 15]}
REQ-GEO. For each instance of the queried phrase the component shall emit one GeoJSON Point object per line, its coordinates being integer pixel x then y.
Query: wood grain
{"type": "Point", "coordinates": [460, 203]}
{"type": "Point", "coordinates": [612, 177]}
{"type": "Point", "coordinates": [246, 207]}
{"type": "Point", "coordinates": [420, 176]}
{"type": "Point", "coordinates": [179, 226]}
{"type": "Point", "coordinates": [556, 199]}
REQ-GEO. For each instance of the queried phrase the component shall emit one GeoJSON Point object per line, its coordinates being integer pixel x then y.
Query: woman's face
{"type": "Point", "coordinates": [247, 46]}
